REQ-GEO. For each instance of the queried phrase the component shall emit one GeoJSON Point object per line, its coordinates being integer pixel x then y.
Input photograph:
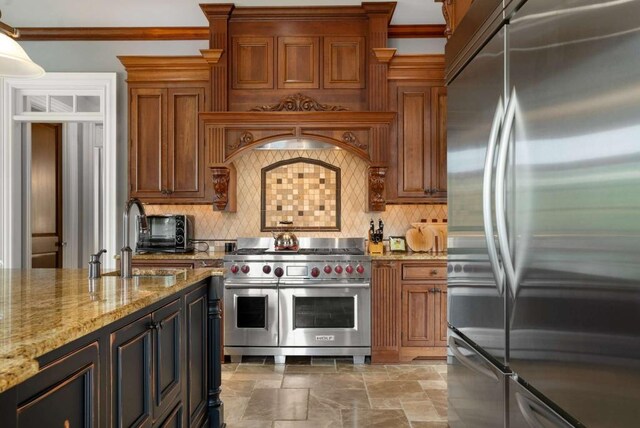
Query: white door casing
{"type": "Point", "coordinates": [52, 85]}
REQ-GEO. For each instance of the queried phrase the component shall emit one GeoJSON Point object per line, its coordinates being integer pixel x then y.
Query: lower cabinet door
{"type": "Point", "coordinates": [174, 419]}
{"type": "Point", "coordinates": [64, 393]}
{"type": "Point", "coordinates": [418, 315]}
{"type": "Point", "coordinates": [167, 326]}
{"type": "Point", "coordinates": [196, 337]}
{"type": "Point", "coordinates": [131, 368]}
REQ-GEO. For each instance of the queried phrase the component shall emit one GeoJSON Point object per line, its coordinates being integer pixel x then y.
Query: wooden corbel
{"type": "Point", "coordinates": [224, 188]}
{"type": "Point", "coordinates": [376, 193]}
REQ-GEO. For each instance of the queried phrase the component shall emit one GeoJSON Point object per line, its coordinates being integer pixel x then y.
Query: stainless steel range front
{"type": "Point", "coordinates": [315, 301]}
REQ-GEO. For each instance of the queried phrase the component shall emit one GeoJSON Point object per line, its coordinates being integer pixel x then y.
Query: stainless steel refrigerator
{"type": "Point", "coordinates": [544, 215]}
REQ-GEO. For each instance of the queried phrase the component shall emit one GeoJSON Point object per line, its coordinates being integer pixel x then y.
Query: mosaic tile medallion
{"type": "Point", "coordinates": [302, 190]}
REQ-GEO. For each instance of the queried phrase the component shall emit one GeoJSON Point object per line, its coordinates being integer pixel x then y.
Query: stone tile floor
{"type": "Point", "coordinates": [333, 393]}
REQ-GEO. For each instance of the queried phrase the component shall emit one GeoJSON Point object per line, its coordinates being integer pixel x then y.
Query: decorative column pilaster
{"type": "Point", "coordinates": [218, 16]}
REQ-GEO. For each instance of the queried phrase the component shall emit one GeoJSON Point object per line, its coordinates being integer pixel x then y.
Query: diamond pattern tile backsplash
{"type": "Point", "coordinates": [209, 224]}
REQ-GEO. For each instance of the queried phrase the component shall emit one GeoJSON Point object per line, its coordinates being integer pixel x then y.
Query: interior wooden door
{"type": "Point", "coordinates": [46, 195]}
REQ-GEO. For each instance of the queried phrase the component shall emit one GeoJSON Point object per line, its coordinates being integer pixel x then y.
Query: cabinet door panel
{"type": "Point", "coordinates": [252, 62]}
{"type": "Point", "coordinates": [196, 320]}
{"type": "Point", "coordinates": [184, 148]}
{"type": "Point", "coordinates": [131, 367]}
{"type": "Point", "coordinates": [64, 393]}
{"type": "Point", "coordinates": [298, 62]}
{"type": "Point", "coordinates": [174, 419]}
{"type": "Point", "coordinates": [418, 324]}
{"type": "Point", "coordinates": [414, 134]}
{"type": "Point", "coordinates": [147, 148]}
{"type": "Point", "coordinates": [344, 62]}
{"type": "Point", "coordinates": [167, 355]}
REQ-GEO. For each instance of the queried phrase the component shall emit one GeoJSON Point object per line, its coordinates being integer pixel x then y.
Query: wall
{"type": "Point", "coordinates": [246, 221]}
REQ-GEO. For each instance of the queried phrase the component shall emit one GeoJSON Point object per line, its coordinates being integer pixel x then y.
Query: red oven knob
{"type": "Point", "coordinates": [338, 269]}
{"type": "Point", "coordinates": [349, 269]}
{"type": "Point", "coordinates": [279, 272]}
{"type": "Point", "coordinates": [315, 272]}
{"type": "Point", "coordinates": [360, 269]}
{"type": "Point", "coordinates": [327, 269]}
{"type": "Point", "coordinates": [266, 269]}
{"type": "Point", "coordinates": [234, 269]}
{"type": "Point", "coordinates": [245, 269]}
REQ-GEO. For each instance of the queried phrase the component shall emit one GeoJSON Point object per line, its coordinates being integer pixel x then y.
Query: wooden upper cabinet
{"type": "Point", "coordinates": [414, 135]}
{"type": "Point", "coordinates": [420, 158]}
{"type": "Point", "coordinates": [252, 66]}
{"type": "Point", "coordinates": [298, 63]}
{"type": "Point", "coordinates": [147, 133]}
{"type": "Point", "coordinates": [166, 159]}
{"type": "Point", "coordinates": [344, 62]}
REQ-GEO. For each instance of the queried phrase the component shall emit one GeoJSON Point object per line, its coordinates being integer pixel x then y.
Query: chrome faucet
{"type": "Point", "coordinates": [126, 252]}
{"type": "Point", "coordinates": [94, 265]}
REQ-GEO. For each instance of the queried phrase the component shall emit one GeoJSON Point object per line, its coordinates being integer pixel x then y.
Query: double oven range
{"type": "Point", "coordinates": [315, 301]}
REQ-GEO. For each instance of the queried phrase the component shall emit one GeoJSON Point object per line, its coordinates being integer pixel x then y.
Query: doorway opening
{"type": "Point", "coordinates": [58, 201]}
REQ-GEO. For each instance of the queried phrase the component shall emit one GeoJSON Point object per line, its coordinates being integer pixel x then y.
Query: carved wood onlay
{"type": "Point", "coordinates": [453, 12]}
{"type": "Point", "coordinates": [376, 186]}
{"type": "Point", "coordinates": [212, 56]}
{"type": "Point", "coordinates": [298, 102]}
{"type": "Point", "coordinates": [384, 54]}
{"type": "Point", "coordinates": [350, 138]}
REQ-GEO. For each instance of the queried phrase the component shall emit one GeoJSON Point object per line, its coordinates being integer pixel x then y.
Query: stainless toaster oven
{"type": "Point", "coordinates": [170, 233]}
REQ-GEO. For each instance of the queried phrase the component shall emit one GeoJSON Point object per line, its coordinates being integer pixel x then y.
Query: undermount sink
{"type": "Point", "coordinates": [151, 273]}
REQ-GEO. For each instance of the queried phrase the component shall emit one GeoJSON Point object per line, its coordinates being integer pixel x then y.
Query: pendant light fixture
{"type": "Point", "coordinates": [14, 61]}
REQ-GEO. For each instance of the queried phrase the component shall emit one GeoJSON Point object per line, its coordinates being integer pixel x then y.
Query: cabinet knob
{"type": "Point", "coordinates": [154, 325]}
{"type": "Point", "coordinates": [436, 190]}
{"type": "Point", "coordinates": [428, 191]}
{"type": "Point", "coordinates": [433, 272]}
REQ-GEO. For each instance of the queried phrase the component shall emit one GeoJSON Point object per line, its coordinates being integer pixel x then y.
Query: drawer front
{"type": "Point", "coordinates": [420, 272]}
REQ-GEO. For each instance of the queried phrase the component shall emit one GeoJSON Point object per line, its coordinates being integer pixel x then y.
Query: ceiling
{"type": "Point", "coordinates": [129, 13]}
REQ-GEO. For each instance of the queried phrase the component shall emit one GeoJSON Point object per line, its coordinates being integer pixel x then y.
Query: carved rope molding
{"type": "Point", "coordinates": [298, 102]}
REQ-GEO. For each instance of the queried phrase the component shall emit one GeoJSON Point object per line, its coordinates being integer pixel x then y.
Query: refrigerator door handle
{"type": "Point", "coordinates": [533, 412]}
{"type": "Point", "coordinates": [501, 167]}
{"type": "Point", "coordinates": [498, 270]}
{"type": "Point", "coordinates": [455, 344]}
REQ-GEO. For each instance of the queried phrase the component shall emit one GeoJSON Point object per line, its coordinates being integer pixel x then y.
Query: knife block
{"type": "Point", "coordinates": [377, 248]}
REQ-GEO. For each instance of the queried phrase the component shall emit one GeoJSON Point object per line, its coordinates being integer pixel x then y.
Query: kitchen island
{"type": "Point", "coordinates": [110, 352]}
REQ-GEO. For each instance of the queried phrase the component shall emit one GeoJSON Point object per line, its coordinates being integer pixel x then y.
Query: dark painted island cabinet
{"type": "Point", "coordinates": [158, 367]}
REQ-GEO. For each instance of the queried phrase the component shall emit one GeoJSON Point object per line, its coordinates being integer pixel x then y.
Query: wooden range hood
{"type": "Point", "coordinates": [270, 66]}
{"type": "Point", "coordinates": [230, 134]}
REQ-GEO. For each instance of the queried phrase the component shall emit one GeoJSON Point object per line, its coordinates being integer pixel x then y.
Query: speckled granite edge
{"type": "Point", "coordinates": [203, 255]}
{"type": "Point", "coordinates": [31, 329]}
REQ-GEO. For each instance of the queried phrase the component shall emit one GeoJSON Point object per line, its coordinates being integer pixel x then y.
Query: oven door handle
{"type": "Point", "coordinates": [238, 285]}
{"type": "Point", "coordinates": [320, 286]}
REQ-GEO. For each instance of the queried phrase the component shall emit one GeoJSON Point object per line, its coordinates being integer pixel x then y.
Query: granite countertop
{"type": "Point", "coordinates": [409, 255]}
{"type": "Point", "coordinates": [198, 255]}
{"type": "Point", "coordinates": [44, 309]}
